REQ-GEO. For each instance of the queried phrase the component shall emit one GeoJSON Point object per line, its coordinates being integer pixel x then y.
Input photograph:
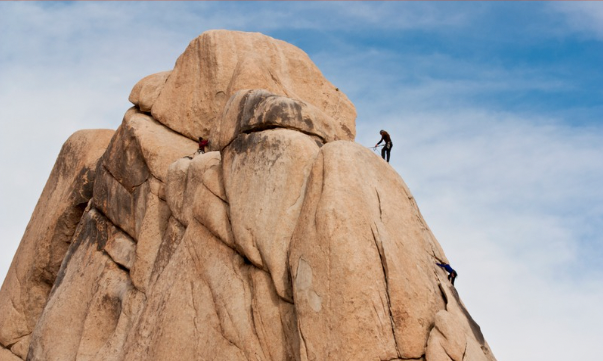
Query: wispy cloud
{"type": "Point", "coordinates": [584, 17]}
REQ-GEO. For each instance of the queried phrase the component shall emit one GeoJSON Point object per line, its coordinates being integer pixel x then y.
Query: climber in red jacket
{"type": "Point", "coordinates": [202, 144]}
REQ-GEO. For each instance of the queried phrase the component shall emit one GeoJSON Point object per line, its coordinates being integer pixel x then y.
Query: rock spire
{"type": "Point", "coordinates": [286, 241]}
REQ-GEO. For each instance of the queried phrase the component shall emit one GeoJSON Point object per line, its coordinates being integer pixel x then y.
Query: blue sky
{"type": "Point", "coordinates": [495, 109]}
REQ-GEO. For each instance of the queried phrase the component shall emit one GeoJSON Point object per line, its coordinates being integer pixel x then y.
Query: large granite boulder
{"type": "Point", "coordinates": [219, 63]}
{"type": "Point", "coordinates": [47, 237]}
{"type": "Point", "coordinates": [287, 241]}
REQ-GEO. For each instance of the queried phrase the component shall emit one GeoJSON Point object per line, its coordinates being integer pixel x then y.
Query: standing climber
{"type": "Point", "coordinates": [451, 273]}
{"type": "Point", "coordinates": [388, 144]}
{"type": "Point", "coordinates": [202, 144]}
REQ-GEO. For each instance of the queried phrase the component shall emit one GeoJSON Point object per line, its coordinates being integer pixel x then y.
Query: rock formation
{"type": "Point", "coordinates": [286, 241]}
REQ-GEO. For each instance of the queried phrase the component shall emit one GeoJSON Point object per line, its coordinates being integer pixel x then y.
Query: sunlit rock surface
{"type": "Point", "coordinates": [285, 241]}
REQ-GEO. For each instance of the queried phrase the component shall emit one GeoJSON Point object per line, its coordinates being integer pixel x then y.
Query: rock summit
{"type": "Point", "coordinates": [285, 241]}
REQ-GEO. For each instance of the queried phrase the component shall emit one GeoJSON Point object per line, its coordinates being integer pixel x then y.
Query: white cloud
{"type": "Point", "coordinates": [513, 196]}
{"type": "Point", "coordinates": [584, 17]}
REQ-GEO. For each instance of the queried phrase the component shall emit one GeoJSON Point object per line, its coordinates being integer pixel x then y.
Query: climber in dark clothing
{"type": "Point", "coordinates": [202, 144]}
{"type": "Point", "coordinates": [387, 148]}
{"type": "Point", "coordinates": [451, 273]}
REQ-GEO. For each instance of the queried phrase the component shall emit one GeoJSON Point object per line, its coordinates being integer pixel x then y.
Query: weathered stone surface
{"type": "Point", "coordinates": [185, 313]}
{"type": "Point", "coordinates": [445, 341]}
{"type": "Point", "coordinates": [21, 347]}
{"type": "Point", "coordinates": [46, 239]}
{"type": "Point", "coordinates": [255, 110]}
{"type": "Point", "coordinates": [124, 159]}
{"type": "Point", "coordinates": [153, 227]}
{"type": "Point", "coordinates": [6, 355]}
{"type": "Point", "coordinates": [205, 197]}
{"type": "Point", "coordinates": [219, 63]}
{"type": "Point", "coordinates": [287, 244]}
{"type": "Point", "coordinates": [87, 302]}
{"type": "Point", "coordinates": [171, 239]}
{"type": "Point", "coordinates": [176, 185]}
{"type": "Point", "coordinates": [135, 164]}
{"type": "Point", "coordinates": [476, 346]}
{"type": "Point", "coordinates": [146, 91]}
{"type": "Point", "coordinates": [360, 259]}
{"type": "Point", "coordinates": [121, 249]}
{"type": "Point", "coordinates": [160, 146]}
{"type": "Point", "coordinates": [274, 319]}
{"type": "Point", "coordinates": [265, 177]}
{"type": "Point", "coordinates": [117, 203]}
{"type": "Point", "coordinates": [143, 147]}
{"type": "Point", "coordinates": [157, 187]}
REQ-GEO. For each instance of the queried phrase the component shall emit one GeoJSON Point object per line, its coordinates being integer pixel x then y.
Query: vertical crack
{"type": "Point", "coordinates": [302, 340]}
{"type": "Point", "coordinates": [464, 352]}
{"type": "Point", "coordinates": [380, 209]}
{"type": "Point", "coordinates": [444, 297]}
{"type": "Point", "coordinates": [389, 304]}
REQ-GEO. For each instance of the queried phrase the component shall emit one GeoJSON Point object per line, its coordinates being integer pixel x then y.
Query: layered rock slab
{"type": "Point", "coordinates": [46, 240]}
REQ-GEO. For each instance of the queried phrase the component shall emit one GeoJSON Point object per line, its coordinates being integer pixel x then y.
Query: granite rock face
{"type": "Point", "coordinates": [286, 241]}
{"type": "Point", "coordinates": [219, 63]}
{"type": "Point", "coordinates": [48, 236]}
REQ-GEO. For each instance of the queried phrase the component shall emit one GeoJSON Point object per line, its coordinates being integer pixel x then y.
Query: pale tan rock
{"type": "Point", "coordinates": [160, 146]}
{"type": "Point", "coordinates": [121, 248]}
{"type": "Point", "coordinates": [286, 245]}
{"type": "Point", "coordinates": [219, 63]}
{"type": "Point", "coordinates": [143, 147]}
{"type": "Point", "coordinates": [114, 347]}
{"type": "Point", "coordinates": [135, 164]}
{"type": "Point", "coordinates": [181, 315]}
{"type": "Point", "coordinates": [216, 262]}
{"type": "Point", "coordinates": [146, 91]}
{"type": "Point", "coordinates": [153, 227]}
{"type": "Point", "coordinates": [274, 319]}
{"type": "Point", "coordinates": [171, 239]}
{"type": "Point", "coordinates": [361, 258]}
{"type": "Point", "coordinates": [123, 159]}
{"type": "Point", "coordinates": [258, 109]}
{"type": "Point", "coordinates": [6, 355]}
{"type": "Point", "coordinates": [86, 304]}
{"type": "Point", "coordinates": [157, 187]}
{"type": "Point", "coordinates": [205, 197]}
{"type": "Point", "coordinates": [477, 352]}
{"type": "Point", "coordinates": [265, 178]}
{"type": "Point", "coordinates": [176, 185]}
{"type": "Point", "coordinates": [445, 342]}
{"type": "Point", "coordinates": [339, 287]}
{"type": "Point", "coordinates": [477, 348]}
{"type": "Point", "coordinates": [21, 347]}
{"type": "Point", "coordinates": [46, 239]}
{"type": "Point", "coordinates": [117, 203]}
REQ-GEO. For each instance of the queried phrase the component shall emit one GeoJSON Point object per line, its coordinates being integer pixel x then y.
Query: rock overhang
{"type": "Point", "coordinates": [255, 110]}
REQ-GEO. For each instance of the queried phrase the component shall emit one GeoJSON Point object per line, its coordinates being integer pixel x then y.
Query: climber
{"type": "Point", "coordinates": [202, 144]}
{"type": "Point", "coordinates": [388, 144]}
{"type": "Point", "coordinates": [451, 273]}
